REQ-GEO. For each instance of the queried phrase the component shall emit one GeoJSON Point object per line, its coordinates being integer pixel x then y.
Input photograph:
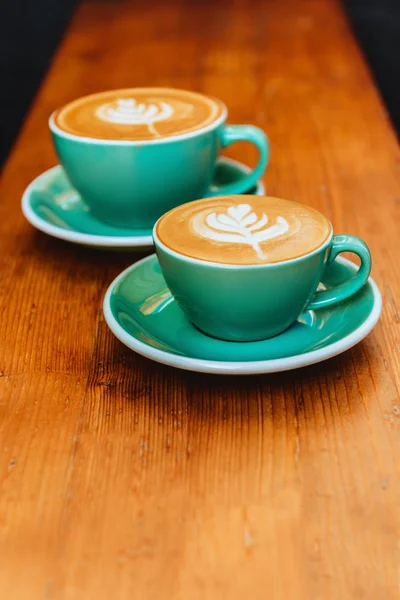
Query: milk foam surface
{"type": "Point", "coordinates": [139, 114]}
{"type": "Point", "coordinates": [243, 229]}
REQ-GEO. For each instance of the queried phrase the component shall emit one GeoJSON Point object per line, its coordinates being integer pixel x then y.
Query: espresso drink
{"type": "Point", "coordinates": [243, 230]}
{"type": "Point", "coordinates": [139, 114]}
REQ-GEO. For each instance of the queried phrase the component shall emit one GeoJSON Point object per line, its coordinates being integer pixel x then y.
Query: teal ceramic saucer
{"type": "Point", "coordinates": [53, 206]}
{"type": "Point", "coordinates": [141, 312]}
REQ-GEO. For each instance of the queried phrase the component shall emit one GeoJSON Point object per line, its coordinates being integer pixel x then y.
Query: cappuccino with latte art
{"type": "Point", "coordinates": [139, 114]}
{"type": "Point", "coordinates": [133, 154]}
{"type": "Point", "coordinates": [243, 230]}
{"type": "Point", "coordinates": [244, 268]}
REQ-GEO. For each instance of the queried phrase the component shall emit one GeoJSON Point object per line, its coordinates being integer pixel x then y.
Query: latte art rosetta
{"type": "Point", "coordinates": [126, 111]}
{"type": "Point", "coordinates": [243, 230]}
{"type": "Point", "coordinates": [240, 225]}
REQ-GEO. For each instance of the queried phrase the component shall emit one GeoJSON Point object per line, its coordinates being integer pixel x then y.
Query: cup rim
{"type": "Point", "coordinates": [230, 266]}
{"type": "Point", "coordinates": [115, 142]}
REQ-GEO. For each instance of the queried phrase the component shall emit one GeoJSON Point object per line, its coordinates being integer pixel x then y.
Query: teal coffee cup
{"type": "Point", "coordinates": [134, 154]}
{"type": "Point", "coordinates": [244, 268]}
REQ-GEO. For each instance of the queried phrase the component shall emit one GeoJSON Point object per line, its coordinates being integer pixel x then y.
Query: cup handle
{"type": "Point", "coordinates": [344, 243]}
{"type": "Point", "coordinates": [243, 133]}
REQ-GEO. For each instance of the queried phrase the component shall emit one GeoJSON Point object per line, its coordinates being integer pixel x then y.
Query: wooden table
{"type": "Point", "coordinates": [121, 478]}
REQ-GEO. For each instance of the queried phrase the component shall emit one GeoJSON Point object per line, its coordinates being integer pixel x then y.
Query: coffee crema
{"type": "Point", "coordinates": [243, 230]}
{"type": "Point", "coordinates": [138, 114]}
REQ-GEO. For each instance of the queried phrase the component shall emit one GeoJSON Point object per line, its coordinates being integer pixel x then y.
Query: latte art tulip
{"type": "Point", "coordinates": [139, 114]}
{"type": "Point", "coordinates": [126, 111]}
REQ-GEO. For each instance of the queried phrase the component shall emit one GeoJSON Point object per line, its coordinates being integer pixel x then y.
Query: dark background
{"type": "Point", "coordinates": [30, 31]}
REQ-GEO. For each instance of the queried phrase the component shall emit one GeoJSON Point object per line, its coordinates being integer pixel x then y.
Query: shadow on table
{"type": "Point", "coordinates": [65, 257]}
{"type": "Point", "coordinates": [330, 387]}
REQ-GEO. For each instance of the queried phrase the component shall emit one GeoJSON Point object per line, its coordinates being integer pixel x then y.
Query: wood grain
{"type": "Point", "coordinates": [121, 478]}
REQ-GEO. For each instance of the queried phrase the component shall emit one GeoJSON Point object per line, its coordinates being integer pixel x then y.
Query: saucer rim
{"type": "Point", "coordinates": [275, 365]}
{"type": "Point", "coordinates": [101, 241]}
